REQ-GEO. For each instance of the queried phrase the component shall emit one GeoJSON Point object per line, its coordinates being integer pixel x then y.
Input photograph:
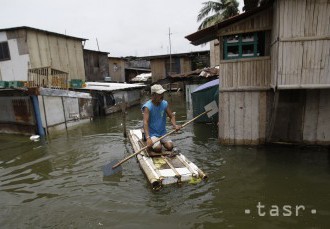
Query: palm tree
{"type": "Point", "coordinates": [222, 9]}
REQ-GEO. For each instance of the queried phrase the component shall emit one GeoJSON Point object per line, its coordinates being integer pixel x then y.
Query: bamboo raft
{"type": "Point", "coordinates": [166, 167]}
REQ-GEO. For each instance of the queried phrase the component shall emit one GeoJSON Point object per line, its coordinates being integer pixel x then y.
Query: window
{"type": "Point", "coordinates": [4, 51]}
{"type": "Point", "coordinates": [244, 45]}
{"type": "Point", "coordinates": [115, 67]}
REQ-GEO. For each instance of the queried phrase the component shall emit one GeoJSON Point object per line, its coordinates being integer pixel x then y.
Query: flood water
{"type": "Point", "coordinates": [58, 182]}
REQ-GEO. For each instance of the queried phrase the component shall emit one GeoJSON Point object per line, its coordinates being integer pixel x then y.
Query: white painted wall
{"type": "Point", "coordinates": [16, 68]}
{"type": "Point", "coordinates": [55, 112]}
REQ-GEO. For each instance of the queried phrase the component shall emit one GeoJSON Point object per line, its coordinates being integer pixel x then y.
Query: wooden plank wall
{"type": "Point", "coordinates": [117, 75]}
{"type": "Point", "coordinates": [304, 44]}
{"type": "Point", "coordinates": [244, 89]}
{"type": "Point", "coordinates": [185, 64]}
{"type": "Point", "coordinates": [214, 53]}
{"type": "Point", "coordinates": [245, 74]}
{"type": "Point", "coordinates": [316, 128]}
{"type": "Point", "coordinates": [242, 117]}
{"type": "Point", "coordinates": [274, 44]}
{"type": "Point", "coordinates": [259, 22]}
{"type": "Point", "coordinates": [158, 69]}
{"type": "Point", "coordinates": [96, 65]}
{"type": "Point", "coordinates": [61, 53]}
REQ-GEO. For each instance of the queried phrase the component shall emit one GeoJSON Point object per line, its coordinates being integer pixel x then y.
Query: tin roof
{"type": "Point", "coordinates": [111, 86]}
{"type": "Point", "coordinates": [213, 83]}
{"type": "Point", "coordinates": [187, 54]}
{"type": "Point", "coordinates": [205, 72]}
{"type": "Point", "coordinates": [43, 31]}
{"type": "Point", "coordinates": [95, 51]}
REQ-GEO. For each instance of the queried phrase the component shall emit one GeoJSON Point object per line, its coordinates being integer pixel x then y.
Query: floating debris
{"type": "Point", "coordinates": [35, 138]}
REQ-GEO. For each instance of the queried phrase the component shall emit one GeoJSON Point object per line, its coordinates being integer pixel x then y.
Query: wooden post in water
{"type": "Point", "coordinates": [65, 121]}
{"type": "Point", "coordinates": [123, 111]}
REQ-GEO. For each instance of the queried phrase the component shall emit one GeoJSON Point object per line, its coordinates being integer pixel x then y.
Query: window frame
{"type": "Point", "coordinates": [239, 42]}
{"type": "Point", "coordinates": [4, 51]}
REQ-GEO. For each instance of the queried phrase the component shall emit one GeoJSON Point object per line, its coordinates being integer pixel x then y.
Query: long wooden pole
{"type": "Point", "coordinates": [169, 133]}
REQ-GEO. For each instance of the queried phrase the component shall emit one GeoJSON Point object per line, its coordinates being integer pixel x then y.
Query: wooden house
{"type": "Point", "coordinates": [163, 66]}
{"type": "Point", "coordinates": [26, 48]}
{"type": "Point", "coordinates": [34, 65]}
{"type": "Point", "coordinates": [96, 65]}
{"type": "Point", "coordinates": [274, 73]}
{"type": "Point", "coordinates": [123, 69]}
{"type": "Point", "coordinates": [135, 66]}
{"type": "Point", "coordinates": [117, 69]}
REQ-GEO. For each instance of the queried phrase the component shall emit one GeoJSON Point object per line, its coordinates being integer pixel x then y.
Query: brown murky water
{"type": "Point", "coordinates": [58, 182]}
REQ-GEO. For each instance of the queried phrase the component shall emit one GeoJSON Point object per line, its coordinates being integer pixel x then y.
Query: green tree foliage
{"type": "Point", "coordinates": [221, 9]}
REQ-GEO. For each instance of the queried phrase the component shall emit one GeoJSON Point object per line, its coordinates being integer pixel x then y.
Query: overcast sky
{"type": "Point", "coordinates": [121, 27]}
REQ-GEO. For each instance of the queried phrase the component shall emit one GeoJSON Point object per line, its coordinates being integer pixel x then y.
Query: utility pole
{"type": "Point", "coordinates": [169, 38]}
{"type": "Point", "coordinates": [97, 42]}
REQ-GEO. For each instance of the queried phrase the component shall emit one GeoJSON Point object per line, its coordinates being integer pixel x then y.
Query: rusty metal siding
{"type": "Point", "coordinates": [17, 115]}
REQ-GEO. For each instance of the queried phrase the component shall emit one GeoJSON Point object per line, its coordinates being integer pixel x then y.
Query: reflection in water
{"type": "Point", "coordinates": [58, 183]}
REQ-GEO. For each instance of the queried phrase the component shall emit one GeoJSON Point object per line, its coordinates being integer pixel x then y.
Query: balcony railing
{"type": "Point", "coordinates": [47, 77]}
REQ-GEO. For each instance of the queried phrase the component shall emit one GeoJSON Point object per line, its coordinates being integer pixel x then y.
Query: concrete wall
{"type": "Point", "coordinates": [131, 97]}
{"type": "Point", "coordinates": [61, 109]}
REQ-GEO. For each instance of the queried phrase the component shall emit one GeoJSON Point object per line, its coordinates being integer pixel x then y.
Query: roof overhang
{"type": "Point", "coordinates": [187, 54]}
{"type": "Point", "coordinates": [42, 31]}
{"type": "Point", "coordinates": [94, 51]}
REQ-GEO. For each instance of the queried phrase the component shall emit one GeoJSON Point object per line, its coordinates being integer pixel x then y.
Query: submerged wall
{"type": "Point", "coordinates": [17, 115]}
{"type": "Point", "coordinates": [61, 109]}
{"type": "Point", "coordinates": [243, 117]}
{"type": "Point", "coordinates": [302, 116]}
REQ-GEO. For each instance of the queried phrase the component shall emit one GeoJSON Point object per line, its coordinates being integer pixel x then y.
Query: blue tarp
{"type": "Point", "coordinates": [207, 85]}
{"type": "Point", "coordinates": [203, 95]}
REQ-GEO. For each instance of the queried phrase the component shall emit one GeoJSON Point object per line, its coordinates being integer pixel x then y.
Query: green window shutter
{"type": "Point", "coordinates": [243, 46]}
